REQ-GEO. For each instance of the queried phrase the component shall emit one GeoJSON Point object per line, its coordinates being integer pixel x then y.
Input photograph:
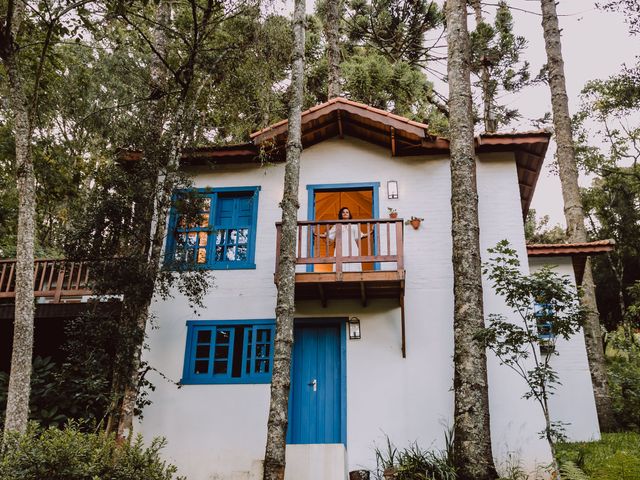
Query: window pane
{"type": "Point", "coordinates": [241, 253]}
{"type": "Point", "coordinates": [220, 236]}
{"type": "Point", "coordinates": [231, 253]}
{"type": "Point", "coordinates": [202, 238]}
{"type": "Point", "coordinates": [190, 255]}
{"type": "Point", "coordinates": [202, 351]}
{"type": "Point", "coordinates": [179, 255]}
{"type": "Point", "coordinates": [220, 367]}
{"type": "Point", "coordinates": [222, 353]}
{"type": "Point", "coordinates": [262, 366]}
{"type": "Point", "coordinates": [181, 238]}
{"type": "Point", "coordinates": [222, 337]}
{"type": "Point", "coordinates": [204, 336]}
{"type": "Point", "coordinates": [233, 236]}
{"type": "Point", "coordinates": [264, 335]}
{"type": "Point", "coordinates": [261, 351]}
{"type": "Point", "coordinates": [192, 239]}
{"type": "Point", "coordinates": [206, 203]}
{"type": "Point", "coordinates": [243, 235]}
{"type": "Point", "coordinates": [219, 254]}
{"type": "Point", "coordinates": [204, 220]}
{"type": "Point", "coordinates": [202, 366]}
{"type": "Point", "coordinates": [202, 255]}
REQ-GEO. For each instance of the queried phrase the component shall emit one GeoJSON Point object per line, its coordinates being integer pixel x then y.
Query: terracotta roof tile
{"type": "Point", "coordinates": [570, 249]}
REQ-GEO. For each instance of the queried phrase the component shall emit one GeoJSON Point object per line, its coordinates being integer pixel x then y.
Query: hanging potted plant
{"type": "Point", "coordinates": [393, 213]}
{"type": "Point", "coordinates": [414, 222]}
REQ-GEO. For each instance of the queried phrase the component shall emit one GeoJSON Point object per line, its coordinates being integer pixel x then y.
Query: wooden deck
{"type": "Point", "coordinates": [55, 281]}
{"type": "Point", "coordinates": [333, 263]}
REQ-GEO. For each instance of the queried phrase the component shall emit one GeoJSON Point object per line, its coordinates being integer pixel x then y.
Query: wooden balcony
{"type": "Point", "coordinates": [332, 262]}
{"type": "Point", "coordinates": [55, 281]}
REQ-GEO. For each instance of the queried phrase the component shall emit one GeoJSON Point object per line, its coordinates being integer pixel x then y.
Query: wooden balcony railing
{"type": "Point", "coordinates": [55, 280]}
{"type": "Point", "coordinates": [340, 246]}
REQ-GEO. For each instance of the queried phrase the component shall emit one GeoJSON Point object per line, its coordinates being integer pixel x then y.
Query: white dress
{"type": "Point", "coordinates": [356, 235]}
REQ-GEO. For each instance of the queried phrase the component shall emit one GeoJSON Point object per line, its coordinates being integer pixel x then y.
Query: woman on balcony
{"type": "Point", "coordinates": [351, 237]}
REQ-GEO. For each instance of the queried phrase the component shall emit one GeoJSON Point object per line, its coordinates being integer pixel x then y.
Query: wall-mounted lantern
{"type": "Point", "coordinates": [354, 328]}
{"type": "Point", "coordinates": [392, 189]}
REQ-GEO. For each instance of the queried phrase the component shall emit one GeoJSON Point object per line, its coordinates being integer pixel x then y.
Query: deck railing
{"type": "Point", "coordinates": [347, 245]}
{"type": "Point", "coordinates": [53, 279]}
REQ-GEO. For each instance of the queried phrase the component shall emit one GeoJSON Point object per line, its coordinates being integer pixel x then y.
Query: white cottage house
{"type": "Point", "coordinates": [373, 336]}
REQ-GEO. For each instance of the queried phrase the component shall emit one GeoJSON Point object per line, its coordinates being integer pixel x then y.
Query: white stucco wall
{"type": "Point", "coordinates": [573, 402]}
{"type": "Point", "coordinates": [218, 431]}
{"type": "Point", "coordinates": [515, 422]}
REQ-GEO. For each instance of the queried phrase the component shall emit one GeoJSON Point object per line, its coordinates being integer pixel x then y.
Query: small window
{"type": "Point", "coordinates": [213, 228]}
{"type": "Point", "coordinates": [229, 351]}
{"type": "Point", "coordinates": [544, 315]}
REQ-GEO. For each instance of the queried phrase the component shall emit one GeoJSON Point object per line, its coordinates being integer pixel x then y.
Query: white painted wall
{"type": "Point", "coordinates": [218, 431]}
{"type": "Point", "coordinates": [515, 422]}
{"type": "Point", "coordinates": [573, 401]}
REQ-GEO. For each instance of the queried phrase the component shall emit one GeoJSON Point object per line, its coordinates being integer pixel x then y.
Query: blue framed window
{"type": "Point", "coordinates": [544, 318]}
{"type": "Point", "coordinates": [213, 228]}
{"type": "Point", "coordinates": [229, 351]}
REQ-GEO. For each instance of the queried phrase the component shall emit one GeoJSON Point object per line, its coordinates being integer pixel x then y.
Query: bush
{"type": "Point", "coordinates": [70, 454]}
{"type": "Point", "coordinates": [624, 385]}
{"type": "Point", "coordinates": [615, 457]}
{"type": "Point", "coordinates": [413, 463]}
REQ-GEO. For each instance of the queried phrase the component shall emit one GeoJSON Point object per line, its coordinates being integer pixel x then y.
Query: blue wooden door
{"type": "Point", "coordinates": [315, 399]}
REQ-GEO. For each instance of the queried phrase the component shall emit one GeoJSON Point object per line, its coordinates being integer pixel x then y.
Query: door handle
{"type": "Point", "coordinates": [314, 384]}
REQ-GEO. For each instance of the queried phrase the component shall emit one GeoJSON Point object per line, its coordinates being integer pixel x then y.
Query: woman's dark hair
{"type": "Point", "coordinates": [343, 209]}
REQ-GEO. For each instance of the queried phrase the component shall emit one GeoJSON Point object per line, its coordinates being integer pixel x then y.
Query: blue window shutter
{"type": "Point", "coordinates": [210, 352]}
{"type": "Point", "coordinates": [230, 233]}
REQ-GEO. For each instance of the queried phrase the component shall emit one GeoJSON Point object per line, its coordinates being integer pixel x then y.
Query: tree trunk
{"type": "Point", "coordinates": [332, 33]}
{"type": "Point", "coordinates": [161, 157]}
{"type": "Point", "coordinates": [472, 436]}
{"type": "Point", "coordinates": [17, 414]}
{"type": "Point", "coordinates": [573, 210]}
{"type": "Point", "coordinates": [274, 458]}
{"type": "Point", "coordinates": [485, 79]}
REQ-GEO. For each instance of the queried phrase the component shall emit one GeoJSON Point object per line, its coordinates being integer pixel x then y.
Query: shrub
{"type": "Point", "coordinates": [624, 385]}
{"type": "Point", "coordinates": [71, 454]}
{"type": "Point", "coordinates": [413, 463]}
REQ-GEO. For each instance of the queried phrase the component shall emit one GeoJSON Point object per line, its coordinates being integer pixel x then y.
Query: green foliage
{"type": "Point", "coordinates": [498, 50]}
{"type": "Point", "coordinates": [47, 401]}
{"type": "Point", "coordinates": [414, 463]}
{"type": "Point", "coordinates": [70, 454]}
{"type": "Point", "coordinates": [538, 231]}
{"type": "Point", "coordinates": [384, 54]}
{"type": "Point", "coordinates": [623, 369]}
{"type": "Point", "coordinates": [615, 457]}
{"type": "Point", "coordinates": [519, 345]}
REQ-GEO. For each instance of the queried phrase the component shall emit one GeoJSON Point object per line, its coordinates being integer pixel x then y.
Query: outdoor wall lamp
{"type": "Point", "coordinates": [392, 189]}
{"type": "Point", "coordinates": [354, 328]}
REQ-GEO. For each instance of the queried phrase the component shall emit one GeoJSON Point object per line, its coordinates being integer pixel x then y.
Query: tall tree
{"type": "Point", "coordinates": [472, 433]}
{"type": "Point", "coordinates": [274, 458]}
{"type": "Point", "coordinates": [19, 382]}
{"type": "Point", "coordinates": [573, 209]}
{"type": "Point", "coordinates": [332, 21]}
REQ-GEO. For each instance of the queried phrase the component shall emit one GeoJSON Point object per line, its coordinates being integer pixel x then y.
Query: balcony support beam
{"type": "Point", "coordinates": [404, 342]}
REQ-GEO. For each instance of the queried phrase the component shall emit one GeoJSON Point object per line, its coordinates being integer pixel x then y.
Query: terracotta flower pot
{"type": "Point", "coordinates": [415, 223]}
{"type": "Point", "coordinates": [393, 215]}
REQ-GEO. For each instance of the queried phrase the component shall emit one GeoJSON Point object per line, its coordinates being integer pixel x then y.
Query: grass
{"type": "Point", "coordinates": [615, 457]}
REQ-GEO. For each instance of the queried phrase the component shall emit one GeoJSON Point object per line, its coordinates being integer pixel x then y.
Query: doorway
{"type": "Point", "coordinates": [325, 202]}
{"type": "Point", "coordinates": [317, 401]}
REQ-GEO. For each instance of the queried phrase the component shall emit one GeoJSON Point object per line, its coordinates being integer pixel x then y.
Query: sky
{"type": "Point", "coordinates": [595, 44]}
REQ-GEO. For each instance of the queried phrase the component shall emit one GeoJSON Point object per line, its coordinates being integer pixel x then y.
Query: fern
{"type": "Point", "coordinates": [570, 471]}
